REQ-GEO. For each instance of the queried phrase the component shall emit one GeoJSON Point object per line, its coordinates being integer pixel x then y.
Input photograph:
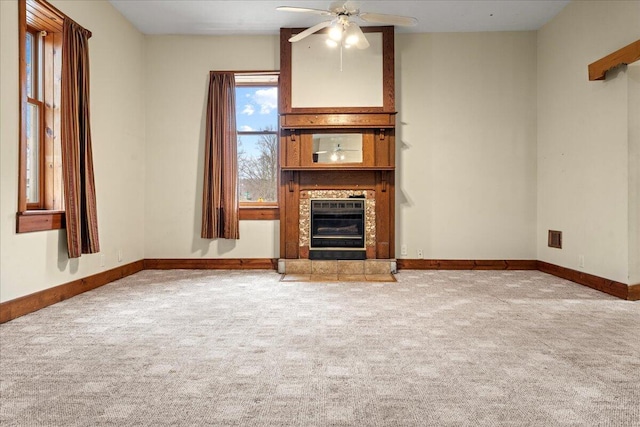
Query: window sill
{"type": "Point", "coordinates": [249, 212]}
{"type": "Point", "coordinates": [29, 221]}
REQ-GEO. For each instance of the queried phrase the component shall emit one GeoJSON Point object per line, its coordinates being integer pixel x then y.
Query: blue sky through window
{"type": "Point", "coordinates": [256, 108]}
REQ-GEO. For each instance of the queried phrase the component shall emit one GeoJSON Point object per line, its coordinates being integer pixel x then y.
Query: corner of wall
{"type": "Point", "coordinates": [633, 81]}
{"type": "Point", "coordinates": [584, 187]}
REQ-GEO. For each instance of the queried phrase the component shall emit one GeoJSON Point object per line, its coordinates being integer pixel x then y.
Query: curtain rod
{"type": "Point", "coordinates": [59, 14]}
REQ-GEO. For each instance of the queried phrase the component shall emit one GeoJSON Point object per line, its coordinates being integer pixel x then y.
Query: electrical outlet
{"type": "Point", "coordinates": [420, 254]}
{"type": "Point", "coordinates": [581, 261]}
{"type": "Point", "coordinates": [119, 255]}
{"type": "Point", "coordinates": [403, 250]}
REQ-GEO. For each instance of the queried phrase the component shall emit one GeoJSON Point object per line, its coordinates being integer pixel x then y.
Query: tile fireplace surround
{"type": "Point", "coordinates": [336, 267]}
{"type": "Point", "coordinates": [369, 214]}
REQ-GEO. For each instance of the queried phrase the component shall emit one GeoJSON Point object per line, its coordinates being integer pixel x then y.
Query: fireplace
{"type": "Point", "coordinates": [366, 232]}
{"type": "Point", "coordinates": [337, 229]}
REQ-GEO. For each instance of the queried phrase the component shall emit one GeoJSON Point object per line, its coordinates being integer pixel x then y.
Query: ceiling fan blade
{"type": "Point", "coordinates": [336, 7]}
{"type": "Point", "coordinates": [320, 152]}
{"type": "Point", "coordinates": [348, 7]}
{"type": "Point", "coordinates": [352, 6]}
{"type": "Point", "coordinates": [304, 9]}
{"type": "Point", "coordinates": [309, 31]}
{"type": "Point", "coordinates": [379, 18]}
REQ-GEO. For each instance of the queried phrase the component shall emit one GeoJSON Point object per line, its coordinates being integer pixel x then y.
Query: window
{"type": "Point", "coordinates": [258, 147]}
{"type": "Point", "coordinates": [34, 123]}
{"type": "Point", "coordinates": [40, 198]}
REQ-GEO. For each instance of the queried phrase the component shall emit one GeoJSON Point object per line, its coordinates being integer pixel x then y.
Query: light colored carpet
{"type": "Point", "coordinates": [242, 348]}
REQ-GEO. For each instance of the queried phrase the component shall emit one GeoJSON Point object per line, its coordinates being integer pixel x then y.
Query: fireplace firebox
{"type": "Point", "coordinates": [337, 229]}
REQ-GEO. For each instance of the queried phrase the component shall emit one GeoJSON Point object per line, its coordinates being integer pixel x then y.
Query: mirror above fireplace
{"type": "Point", "coordinates": [337, 148]}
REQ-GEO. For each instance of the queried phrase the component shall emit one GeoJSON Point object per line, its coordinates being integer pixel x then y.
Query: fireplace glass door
{"type": "Point", "coordinates": [337, 228]}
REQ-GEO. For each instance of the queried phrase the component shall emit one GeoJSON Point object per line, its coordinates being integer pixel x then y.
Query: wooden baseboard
{"type": "Point", "coordinates": [460, 264]}
{"type": "Point", "coordinates": [12, 309]}
{"type": "Point", "coordinates": [211, 264]}
{"type": "Point", "coordinates": [611, 287]}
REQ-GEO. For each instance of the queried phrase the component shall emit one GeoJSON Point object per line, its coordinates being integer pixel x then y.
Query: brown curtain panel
{"type": "Point", "coordinates": [220, 214]}
{"type": "Point", "coordinates": [77, 160]}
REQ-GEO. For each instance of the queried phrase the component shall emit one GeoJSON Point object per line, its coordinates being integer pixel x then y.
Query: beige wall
{"type": "Point", "coordinates": [31, 262]}
{"type": "Point", "coordinates": [466, 163]}
{"type": "Point", "coordinates": [466, 145]}
{"type": "Point", "coordinates": [334, 77]}
{"type": "Point", "coordinates": [177, 72]}
{"type": "Point", "coordinates": [583, 139]}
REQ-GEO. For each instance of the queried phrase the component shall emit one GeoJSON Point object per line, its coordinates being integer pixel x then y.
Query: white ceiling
{"type": "Point", "coordinates": [260, 17]}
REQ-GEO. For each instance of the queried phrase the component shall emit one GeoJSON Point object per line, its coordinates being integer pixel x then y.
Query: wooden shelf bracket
{"type": "Point", "coordinates": [627, 55]}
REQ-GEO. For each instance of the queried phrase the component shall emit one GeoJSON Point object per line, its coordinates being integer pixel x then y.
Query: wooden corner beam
{"type": "Point", "coordinates": [626, 55]}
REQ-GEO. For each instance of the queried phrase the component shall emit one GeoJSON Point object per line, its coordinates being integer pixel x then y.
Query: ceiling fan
{"type": "Point", "coordinates": [338, 149]}
{"type": "Point", "coordinates": [336, 154]}
{"type": "Point", "coordinates": [343, 30]}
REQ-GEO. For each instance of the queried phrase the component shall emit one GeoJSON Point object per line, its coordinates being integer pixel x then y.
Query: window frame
{"type": "Point", "coordinates": [36, 100]}
{"type": "Point", "coordinates": [255, 210]}
{"type": "Point", "coordinates": [45, 22]}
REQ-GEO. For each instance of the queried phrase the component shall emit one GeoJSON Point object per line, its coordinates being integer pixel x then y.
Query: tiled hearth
{"type": "Point", "coordinates": [341, 270]}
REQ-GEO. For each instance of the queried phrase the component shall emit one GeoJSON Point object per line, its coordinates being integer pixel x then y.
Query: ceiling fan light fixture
{"type": "Point", "coordinates": [343, 31]}
{"type": "Point", "coordinates": [335, 32]}
{"type": "Point", "coordinates": [351, 35]}
{"type": "Point", "coordinates": [331, 43]}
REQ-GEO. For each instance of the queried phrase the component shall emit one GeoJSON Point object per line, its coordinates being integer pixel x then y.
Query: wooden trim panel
{"type": "Point", "coordinates": [338, 167]}
{"type": "Point", "coordinates": [322, 118]}
{"type": "Point", "coordinates": [39, 221]}
{"type": "Point", "coordinates": [610, 287]}
{"type": "Point", "coordinates": [211, 264]}
{"type": "Point", "coordinates": [257, 213]}
{"type": "Point", "coordinates": [41, 14]}
{"type": "Point", "coordinates": [459, 264]}
{"type": "Point", "coordinates": [627, 55]}
{"type": "Point", "coordinates": [634, 293]}
{"type": "Point", "coordinates": [10, 310]}
{"type": "Point", "coordinates": [284, 91]}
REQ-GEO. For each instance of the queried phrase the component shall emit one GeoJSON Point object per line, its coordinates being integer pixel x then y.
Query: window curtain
{"type": "Point", "coordinates": [220, 206]}
{"type": "Point", "coordinates": [77, 160]}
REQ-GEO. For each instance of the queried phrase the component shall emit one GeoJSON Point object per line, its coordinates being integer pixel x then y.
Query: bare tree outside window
{"type": "Point", "coordinates": [258, 173]}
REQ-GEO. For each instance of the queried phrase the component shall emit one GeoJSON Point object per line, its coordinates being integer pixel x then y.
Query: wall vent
{"type": "Point", "coordinates": [555, 239]}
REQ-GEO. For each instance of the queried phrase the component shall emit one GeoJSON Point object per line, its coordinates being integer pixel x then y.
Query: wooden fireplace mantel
{"type": "Point", "coordinates": [627, 55]}
{"type": "Point", "coordinates": [321, 119]}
